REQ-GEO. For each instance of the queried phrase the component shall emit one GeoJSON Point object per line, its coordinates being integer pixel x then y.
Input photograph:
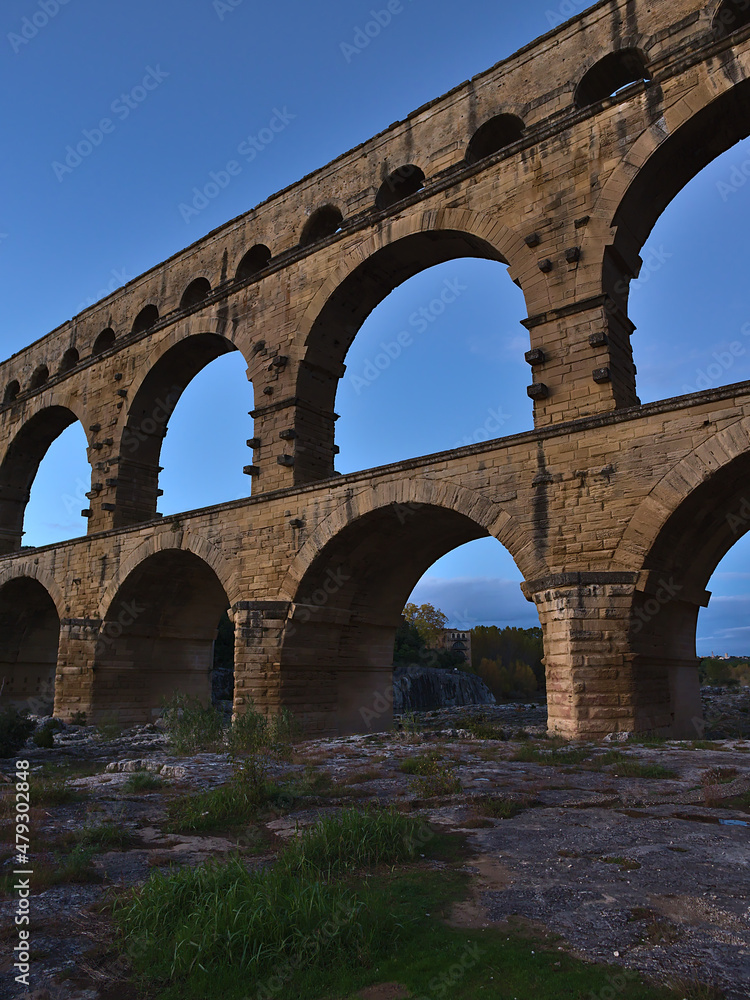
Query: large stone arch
{"type": "Point", "coordinates": [30, 612]}
{"type": "Point", "coordinates": [349, 584]}
{"type": "Point", "coordinates": [362, 278]}
{"type": "Point", "coordinates": [165, 541]}
{"type": "Point", "coordinates": [684, 138]}
{"type": "Point", "coordinates": [179, 357]}
{"type": "Point", "coordinates": [42, 421]}
{"type": "Point", "coordinates": [159, 621]}
{"type": "Point", "coordinates": [675, 539]}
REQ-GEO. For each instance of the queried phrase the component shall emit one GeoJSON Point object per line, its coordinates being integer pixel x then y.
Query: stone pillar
{"type": "Point", "coordinates": [74, 682]}
{"type": "Point", "coordinates": [608, 668]}
{"type": "Point", "coordinates": [258, 632]}
{"type": "Point", "coordinates": [581, 361]}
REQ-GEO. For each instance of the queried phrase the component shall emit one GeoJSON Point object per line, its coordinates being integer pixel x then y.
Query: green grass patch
{"type": "Point", "coordinates": [318, 924]}
{"type": "Point", "coordinates": [634, 769]}
{"type": "Point", "coordinates": [143, 781]}
{"type": "Point", "coordinates": [625, 864]}
{"type": "Point", "coordinates": [107, 836]}
{"type": "Point", "coordinates": [481, 727]}
{"type": "Point", "coordinates": [500, 807]}
{"type": "Point", "coordinates": [530, 754]}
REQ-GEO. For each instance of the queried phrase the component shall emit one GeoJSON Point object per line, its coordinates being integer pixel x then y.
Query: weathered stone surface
{"type": "Point", "coordinates": [418, 688]}
{"type": "Point", "coordinates": [616, 514]}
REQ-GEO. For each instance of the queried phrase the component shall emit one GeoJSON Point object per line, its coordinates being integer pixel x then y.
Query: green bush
{"type": "Point", "coordinates": [143, 781]}
{"type": "Point", "coordinates": [44, 737]}
{"type": "Point", "coordinates": [191, 725]}
{"type": "Point", "coordinates": [15, 729]}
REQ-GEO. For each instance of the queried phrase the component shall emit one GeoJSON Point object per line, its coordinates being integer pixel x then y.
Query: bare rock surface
{"type": "Point", "coordinates": [634, 852]}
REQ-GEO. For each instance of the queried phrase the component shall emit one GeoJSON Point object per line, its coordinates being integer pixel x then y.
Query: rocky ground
{"type": "Point", "coordinates": [635, 852]}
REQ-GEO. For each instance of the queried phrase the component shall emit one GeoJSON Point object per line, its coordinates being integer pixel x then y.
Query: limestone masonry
{"type": "Point", "coordinates": [556, 162]}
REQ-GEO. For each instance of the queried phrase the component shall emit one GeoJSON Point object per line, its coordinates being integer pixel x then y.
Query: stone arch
{"type": "Point", "coordinates": [348, 585]}
{"type": "Point", "coordinates": [370, 271]}
{"type": "Point", "coordinates": [46, 418]}
{"type": "Point", "coordinates": [29, 639]}
{"type": "Point", "coordinates": [661, 162]}
{"type": "Point", "coordinates": [178, 359]}
{"type": "Point", "coordinates": [158, 630]}
{"type": "Point", "coordinates": [167, 541]}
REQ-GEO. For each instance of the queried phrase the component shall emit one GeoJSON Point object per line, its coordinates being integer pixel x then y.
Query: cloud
{"type": "Point", "coordinates": [470, 601]}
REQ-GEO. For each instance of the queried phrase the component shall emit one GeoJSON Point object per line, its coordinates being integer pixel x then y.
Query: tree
{"type": "Point", "coordinates": [428, 621]}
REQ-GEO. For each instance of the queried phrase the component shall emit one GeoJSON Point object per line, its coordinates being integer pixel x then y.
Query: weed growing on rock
{"type": "Point", "coordinates": [15, 729]}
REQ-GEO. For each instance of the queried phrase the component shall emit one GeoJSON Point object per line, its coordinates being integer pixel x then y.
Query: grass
{"type": "Point", "coordinates": [73, 867]}
{"type": "Point", "coordinates": [634, 769]}
{"type": "Point", "coordinates": [499, 807]}
{"type": "Point", "coordinates": [143, 781]}
{"type": "Point", "coordinates": [347, 906]}
{"type": "Point", "coordinates": [433, 776]}
{"type": "Point", "coordinates": [193, 727]}
{"type": "Point", "coordinates": [481, 727]}
{"type": "Point", "coordinates": [107, 836]}
{"type": "Point", "coordinates": [227, 808]}
{"type": "Point", "coordinates": [625, 864]}
{"type": "Point", "coordinates": [530, 754]}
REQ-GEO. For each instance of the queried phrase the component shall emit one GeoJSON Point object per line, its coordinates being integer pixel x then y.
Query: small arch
{"type": "Point", "coordinates": [195, 292]}
{"type": "Point", "coordinates": [731, 16]}
{"type": "Point", "coordinates": [146, 318]}
{"type": "Point", "coordinates": [323, 222]}
{"type": "Point", "coordinates": [40, 376]}
{"type": "Point", "coordinates": [497, 133]}
{"type": "Point", "coordinates": [103, 342]}
{"type": "Point", "coordinates": [399, 184]}
{"type": "Point", "coordinates": [29, 636]}
{"type": "Point", "coordinates": [610, 75]}
{"type": "Point", "coordinates": [12, 390]}
{"type": "Point", "coordinates": [69, 360]}
{"type": "Point", "coordinates": [255, 260]}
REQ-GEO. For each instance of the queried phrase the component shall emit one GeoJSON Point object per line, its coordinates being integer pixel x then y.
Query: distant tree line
{"type": "Point", "coordinates": [725, 673]}
{"type": "Point", "coordinates": [509, 660]}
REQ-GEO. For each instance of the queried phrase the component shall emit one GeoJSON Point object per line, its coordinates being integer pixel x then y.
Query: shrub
{"type": "Point", "coordinates": [15, 729]}
{"type": "Point", "coordinates": [191, 725]}
{"type": "Point", "coordinates": [143, 781]}
{"type": "Point", "coordinates": [44, 737]}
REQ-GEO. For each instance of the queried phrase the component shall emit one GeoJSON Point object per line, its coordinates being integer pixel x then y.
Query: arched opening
{"type": "Point", "coordinates": [146, 318]}
{"type": "Point", "coordinates": [494, 135]}
{"type": "Point", "coordinates": [338, 649]}
{"type": "Point", "coordinates": [18, 472]}
{"type": "Point", "coordinates": [158, 637]}
{"type": "Point", "coordinates": [209, 431]}
{"type": "Point", "coordinates": [610, 75]}
{"type": "Point", "coordinates": [40, 376]}
{"type": "Point", "coordinates": [103, 342]}
{"type": "Point", "coordinates": [438, 365]}
{"type": "Point", "coordinates": [29, 637]}
{"type": "Point", "coordinates": [148, 417]}
{"type": "Point", "coordinates": [323, 222]}
{"type": "Point", "coordinates": [692, 331]}
{"type": "Point", "coordinates": [452, 302]}
{"type": "Point", "coordinates": [195, 293]}
{"type": "Point", "coordinates": [69, 360]}
{"type": "Point", "coordinates": [253, 262]}
{"type": "Point", "coordinates": [12, 390]}
{"type": "Point", "coordinates": [682, 560]}
{"type": "Point", "coordinates": [400, 184]}
{"type": "Point", "coordinates": [731, 16]}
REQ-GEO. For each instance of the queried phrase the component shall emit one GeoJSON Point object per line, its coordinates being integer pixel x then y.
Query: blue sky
{"type": "Point", "coordinates": [215, 73]}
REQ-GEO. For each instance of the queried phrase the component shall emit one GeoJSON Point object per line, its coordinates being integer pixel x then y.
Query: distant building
{"type": "Point", "coordinates": [457, 641]}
